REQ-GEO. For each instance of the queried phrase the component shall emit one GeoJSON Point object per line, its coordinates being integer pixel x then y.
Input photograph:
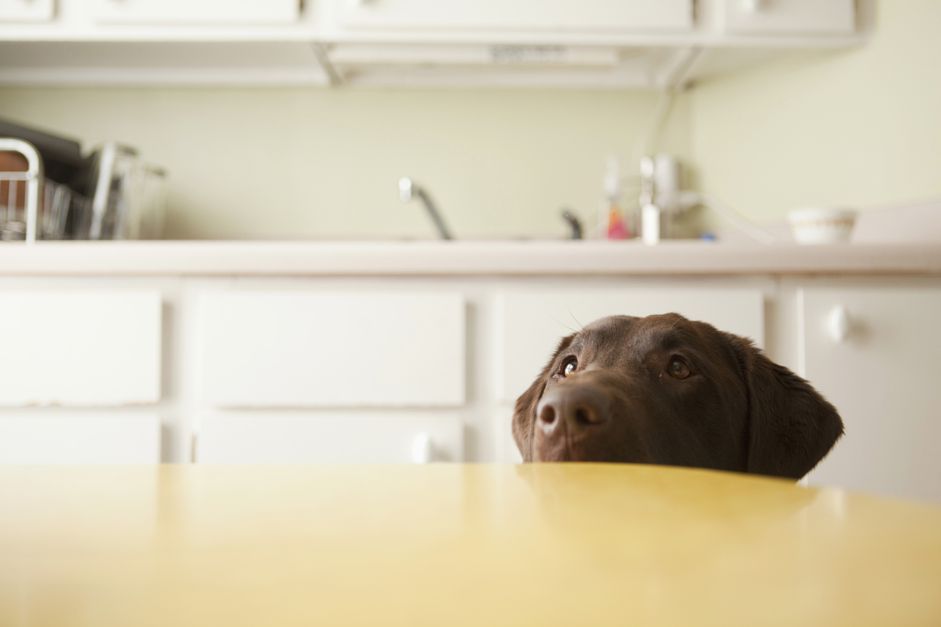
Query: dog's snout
{"type": "Point", "coordinates": [577, 407]}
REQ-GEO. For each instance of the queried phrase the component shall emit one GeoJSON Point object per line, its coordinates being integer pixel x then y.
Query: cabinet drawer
{"type": "Point", "coordinates": [26, 10]}
{"type": "Point", "coordinates": [80, 348]}
{"type": "Point", "coordinates": [520, 15]}
{"type": "Point", "coordinates": [531, 323]}
{"type": "Point", "coordinates": [880, 376]}
{"type": "Point", "coordinates": [321, 438]}
{"type": "Point", "coordinates": [297, 349]}
{"type": "Point", "coordinates": [196, 11]}
{"type": "Point", "coordinates": [789, 17]}
{"type": "Point", "coordinates": [80, 439]}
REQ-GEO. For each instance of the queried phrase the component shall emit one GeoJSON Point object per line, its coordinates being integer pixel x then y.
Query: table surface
{"type": "Point", "coordinates": [569, 544]}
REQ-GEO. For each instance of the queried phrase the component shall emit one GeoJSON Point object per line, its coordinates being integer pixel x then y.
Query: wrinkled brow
{"type": "Point", "coordinates": [667, 338]}
{"type": "Point", "coordinates": [676, 337]}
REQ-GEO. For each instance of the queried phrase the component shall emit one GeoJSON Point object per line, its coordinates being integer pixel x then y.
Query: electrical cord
{"type": "Point", "coordinates": [735, 218]}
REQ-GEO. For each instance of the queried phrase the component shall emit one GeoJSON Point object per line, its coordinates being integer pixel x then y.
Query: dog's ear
{"type": "Point", "coordinates": [791, 426]}
{"type": "Point", "coordinates": [524, 414]}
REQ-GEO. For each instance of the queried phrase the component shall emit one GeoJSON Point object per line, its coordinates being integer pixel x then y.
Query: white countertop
{"type": "Point", "coordinates": [469, 258]}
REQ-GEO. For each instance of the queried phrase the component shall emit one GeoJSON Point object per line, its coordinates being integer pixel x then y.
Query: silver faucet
{"type": "Point", "coordinates": [409, 189]}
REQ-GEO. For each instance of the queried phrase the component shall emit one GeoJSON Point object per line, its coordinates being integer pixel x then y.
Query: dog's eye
{"type": "Point", "coordinates": [568, 366]}
{"type": "Point", "coordinates": [678, 368]}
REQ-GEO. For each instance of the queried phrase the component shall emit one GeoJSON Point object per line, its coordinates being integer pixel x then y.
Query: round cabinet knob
{"type": "Point", "coordinates": [421, 448]}
{"type": "Point", "coordinates": [839, 324]}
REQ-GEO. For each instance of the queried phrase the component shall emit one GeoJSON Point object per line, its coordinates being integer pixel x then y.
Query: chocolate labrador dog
{"type": "Point", "coordinates": [667, 390]}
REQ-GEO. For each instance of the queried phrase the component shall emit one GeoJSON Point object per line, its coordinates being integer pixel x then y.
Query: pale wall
{"type": "Point", "coordinates": [312, 162]}
{"type": "Point", "coordinates": [860, 128]}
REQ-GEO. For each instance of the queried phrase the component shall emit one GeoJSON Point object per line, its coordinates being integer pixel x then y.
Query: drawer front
{"type": "Point", "coordinates": [521, 15]}
{"type": "Point", "coordinates": [790, 16]}
{"type": "Point", "coordinates": [26, 10]}
{"type": "Point", "coordinates": [532, 322]}
{"type": "Point", "coordinates": [80, 348]}
{"type": "Point", "coordinates": [196, 11]}
{"type": "Point", "coordinates": [278, 438]}
{"type": "Point", "coordinates": [80, 439]}
{"type": "Point", "coordinates": [297, 349]}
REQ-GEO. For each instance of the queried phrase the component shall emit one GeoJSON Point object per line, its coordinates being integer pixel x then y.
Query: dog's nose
{"type": "Point", "coordinates": [578, 406]}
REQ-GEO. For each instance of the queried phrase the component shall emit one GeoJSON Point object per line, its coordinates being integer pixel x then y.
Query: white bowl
{"type": "Point", "coordinates": [821, 225]}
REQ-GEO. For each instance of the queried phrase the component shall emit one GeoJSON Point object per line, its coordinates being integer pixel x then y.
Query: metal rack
{"type": "Point", "coordinates": [126, 199]}
{"type": "Point", "coordinates": [32, 181]}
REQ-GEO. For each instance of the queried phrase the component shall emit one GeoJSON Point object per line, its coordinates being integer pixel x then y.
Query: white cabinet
{"type": "Point", "coordinates": [519, 15]}
{"type": "Point", "coordinates": [294, 348]}
{"type": "Point", "coordinates": [873, 352]}
{"type": "Point", "coordinates": [254, 438]}
{"type": "Point", "coordinates": [533, 321]}
{"type": "Point", "coordinates": [789, 17]}
{"type": "Point", "coordinates": [85, 348]}
{"type": "Point", "coordinates": [65, 438]}
{"type": "Point", "coordinates": [396, 369]}
{"type": "Point", "coordinates": [26, 10]}
{"type": "Point", "coordinates": [646, 44]}
{"type": "Point", "coordinates": [196, 11]}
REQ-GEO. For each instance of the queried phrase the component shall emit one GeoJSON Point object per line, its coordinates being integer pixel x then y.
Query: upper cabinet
{"type": "Point", "coordinates": [26, 10]}
{"type": "Point", "coordinates": [196, 11]}
{"type": "Point", "coordinates": [517, 15]}
{"type": "Point", "coordinates": [789, 16]}
{"type": "Point", "coordinates": [648, 44]}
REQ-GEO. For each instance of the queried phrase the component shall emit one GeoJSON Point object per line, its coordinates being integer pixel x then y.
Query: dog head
{"type": "Point", "coordinates": [667, 390]}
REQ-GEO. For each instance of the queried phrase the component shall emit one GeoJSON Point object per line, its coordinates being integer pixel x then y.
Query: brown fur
{"type": "Point", "coordinates": [736, 410]}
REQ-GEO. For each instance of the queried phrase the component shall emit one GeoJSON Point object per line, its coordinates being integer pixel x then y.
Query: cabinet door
{"type": "Point", "coordinates": [196, 11]}
{"type": "Point", "coordinates": [26, 10]}
{"type": "Point", "coordinates": [789, 17]}
{"type": "Point", "coordinates": [519, 15]}
{"type": "Point", "coordinates": [80, 348]}
{"type": "Point", "coordinates": [278, 438]}
{"type": "Point", "coordinates": [532, 322]}
{"type": "Point", "coordinates": [303, 349]}
{"type": "Point", "coordinates": [64, 438]}
{"type": "Point", "coordinates": [881, 376]}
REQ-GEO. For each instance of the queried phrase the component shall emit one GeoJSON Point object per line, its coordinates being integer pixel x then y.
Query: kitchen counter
{"type": "Point", "coordinates": [475, 258]}
{"type": "Point", "coordinates": [548, 544]}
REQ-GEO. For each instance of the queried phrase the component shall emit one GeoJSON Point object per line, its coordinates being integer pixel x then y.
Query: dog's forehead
{"type": "Point", "coordinates": [635, 332]}
{"type": "Point", "coordinates": [608, 325]}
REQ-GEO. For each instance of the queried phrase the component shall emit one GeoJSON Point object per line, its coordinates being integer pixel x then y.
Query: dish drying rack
{"type": "Point", "coordinates": [126, 199]}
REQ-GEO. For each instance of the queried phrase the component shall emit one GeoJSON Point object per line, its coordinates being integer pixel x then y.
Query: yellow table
{"type": "Point", "coordinates": [576, 544]}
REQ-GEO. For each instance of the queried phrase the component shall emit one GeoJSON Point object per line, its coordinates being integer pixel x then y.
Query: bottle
{"type": "Point", "coordinates": [650, 213]}
{"type": "Point", "coordinates": [611, 220]}
{"type": "Point", "coordinates": [650, 224]}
